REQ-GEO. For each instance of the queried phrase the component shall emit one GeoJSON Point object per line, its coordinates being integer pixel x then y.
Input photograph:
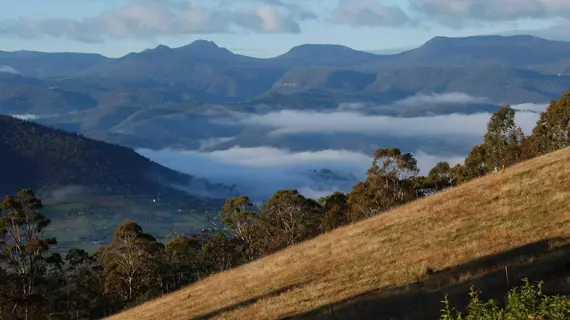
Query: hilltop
{"type": "Point", "coordinates": [324, 55]}
{"type": "Point", "coordinates": [399, 263]}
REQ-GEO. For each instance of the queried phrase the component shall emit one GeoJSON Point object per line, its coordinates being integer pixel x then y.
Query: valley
{"type": "Point", "coordinates": [195, 182]}
{"type": "Point", "coordinates": [88, 222]}
{"type": "Point", "coordinates": [247, 124]}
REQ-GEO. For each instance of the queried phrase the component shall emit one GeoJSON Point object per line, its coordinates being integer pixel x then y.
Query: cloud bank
{"type": "Point", "coordinates": [443, 98]}
{"type": "Point", "coordinates": [450, 13]}
{"type": "Point", "coordinates": [461, 12]}
{"type": "Point", "coordinates": [153, 18]}
{"type": "Point", "coordinates": [369, 13]}
{"type": "Point", "coordinates": [31, 116]}
{"type": "Point", "coordinates": [422, 104]}
{"type": "Point", "coordinates": [286, 122]}
{"type": "Point", "coordinates": [259, 172]}
{"type": "Point", "coordinates": [8, 69]}
{"type": "Point", "coordinates": [531, 107]}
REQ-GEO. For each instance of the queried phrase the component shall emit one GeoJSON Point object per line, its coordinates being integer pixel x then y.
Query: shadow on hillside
{"type": "Point", "coordinates": [548, 261]}
{"type": "Point", "coordinates": [248, 302]}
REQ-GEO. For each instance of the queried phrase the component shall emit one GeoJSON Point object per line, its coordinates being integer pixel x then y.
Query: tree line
{"type": "Point", "coordinates": [36, 283]}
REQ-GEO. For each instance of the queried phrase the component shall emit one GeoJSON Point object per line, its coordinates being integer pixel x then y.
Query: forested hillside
{"type": "Point", "coordinates": [43, 159]}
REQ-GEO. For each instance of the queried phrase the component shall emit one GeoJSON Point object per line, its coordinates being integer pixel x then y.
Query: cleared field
{"type": "Point", "coordinates": [524, 206]}
{"type": "Point", "coordinates": [88, 222]}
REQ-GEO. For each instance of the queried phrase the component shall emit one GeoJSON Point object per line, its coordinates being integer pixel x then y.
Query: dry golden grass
{"type": "Point", "coordinates": [525, 204]}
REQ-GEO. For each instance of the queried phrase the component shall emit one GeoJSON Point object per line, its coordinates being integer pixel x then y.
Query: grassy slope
{"type": "Point", "coordinates": [524, 205]}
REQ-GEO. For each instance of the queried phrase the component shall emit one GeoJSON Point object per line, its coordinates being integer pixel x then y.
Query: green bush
{"type": "Point", "coordinates": [523, 303]}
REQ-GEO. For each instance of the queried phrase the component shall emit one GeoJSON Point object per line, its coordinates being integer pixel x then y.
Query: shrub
{"type": "Point", "coordinates": [523, 303]}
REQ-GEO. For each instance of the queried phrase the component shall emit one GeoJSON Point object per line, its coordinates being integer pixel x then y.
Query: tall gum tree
{"type": "Point", "coordinates": [24, 249]}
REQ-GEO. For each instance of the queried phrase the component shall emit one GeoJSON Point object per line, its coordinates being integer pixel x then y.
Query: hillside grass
{"type": "Point", "coordinates": [526, 204]}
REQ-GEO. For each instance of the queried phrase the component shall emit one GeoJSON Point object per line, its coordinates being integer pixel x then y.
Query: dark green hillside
{"type": "Point", "coordinates": [43, 158]}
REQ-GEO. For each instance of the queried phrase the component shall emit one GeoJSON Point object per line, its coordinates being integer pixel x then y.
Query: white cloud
{"type": "Point", "coordinates": [444, 98]}
{"type": "Point", "coordinates": [427, 161]}
{"type": "Point", "coordinates": [527, 121]}
{"type": "Point", "coordinates": [153, 18]}
{"type": "Point", "coordinates": [420, 103]}
{"type": "Point", "coordinates": [458, 13]}
{"type": "Point", "coordinates": [531, 107]}
{"type": "Point", "coordinates": [211, 142]}
{"type": "Point", "coordinates": [8, 69]}
{"type": "Point", "coordinates": [559, 31]}
{"type": "Point", "coordinates": [293, 122]}
{"type": "Point", "coordinates": [31, 116]}
{"type": "Point", "coordinates": [266, 157]}
{"type": "Point", "coordinates": [451, 13]}
{"type": "Point", "coordinates": [26, 116]}
{"type": "Point", "coordinates": [296, 8]}
{"type": "Point", "coordinates": [259, 172]}
{"type": "Point", "coordinates": [355, 118]}
{"type": "Point", "coordinates": [369, 13]}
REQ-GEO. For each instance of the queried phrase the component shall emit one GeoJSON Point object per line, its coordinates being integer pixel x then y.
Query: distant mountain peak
{"type": "Point", "coordinates": [206, 49]}
{"type": "Point", "coordinates": [204, 44]}
{"type": "Point", "coordinates": [162, 47]}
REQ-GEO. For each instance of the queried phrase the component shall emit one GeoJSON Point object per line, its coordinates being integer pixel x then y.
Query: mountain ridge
{"type": "Point", "coordinates": [192, 79]}
{"type": "Point", "coordinates": [209, 49]}
{"type": "Point", "coordinates": [209, 45]}
{"type": "Point", "coordinates": [43, 156]}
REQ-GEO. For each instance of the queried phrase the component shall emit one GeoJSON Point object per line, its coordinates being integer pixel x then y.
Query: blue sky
{"type": "Point", "coordinates": [266, 28]}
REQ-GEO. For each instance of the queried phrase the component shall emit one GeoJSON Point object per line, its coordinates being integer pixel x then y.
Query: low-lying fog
{"type": "Point", "coordinates": [269, 163]}
{"type": "Point", "coordinates": [280, 148]}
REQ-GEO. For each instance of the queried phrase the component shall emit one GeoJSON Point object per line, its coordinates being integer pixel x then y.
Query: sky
{"type": "Point", "coordinates": [266, 28]}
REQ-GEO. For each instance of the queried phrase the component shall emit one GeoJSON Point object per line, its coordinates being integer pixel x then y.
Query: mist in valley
{"type": "Point", "coordinates": [289, 149]}
{"type": "Point", "coordinates": [315, 150]}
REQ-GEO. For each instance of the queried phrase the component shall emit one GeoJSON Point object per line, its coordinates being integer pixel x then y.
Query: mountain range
{"type": "Point", "coordinates": [530, 68]}
{"type": "Point", "coordinates": [167, 96]}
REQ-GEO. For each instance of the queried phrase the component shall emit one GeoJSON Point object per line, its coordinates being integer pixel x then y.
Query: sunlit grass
{"type": "Point", "coordinates": [524, 204]}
